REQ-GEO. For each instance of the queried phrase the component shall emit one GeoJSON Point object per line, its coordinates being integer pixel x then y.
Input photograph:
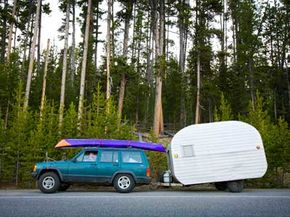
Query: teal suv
{"type": "Point", "coordinates": [123, 168]}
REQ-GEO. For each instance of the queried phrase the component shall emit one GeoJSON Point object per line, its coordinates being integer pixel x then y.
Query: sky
{"type": "Point", "coordinates": [51, 23]}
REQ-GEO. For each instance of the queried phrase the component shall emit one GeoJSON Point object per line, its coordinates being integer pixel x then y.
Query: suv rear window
{"type": "Point", "coordinates": [109, 156]}
{"type": "Point", "coordinates": [131, 157]}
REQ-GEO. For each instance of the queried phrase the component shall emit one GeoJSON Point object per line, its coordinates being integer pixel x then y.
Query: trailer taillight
{"type": "Point", "coordinates": [148, 172]}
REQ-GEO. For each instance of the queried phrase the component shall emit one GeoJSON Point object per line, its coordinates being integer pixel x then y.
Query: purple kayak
{"type": "Point", "coordinates": [112, 143]}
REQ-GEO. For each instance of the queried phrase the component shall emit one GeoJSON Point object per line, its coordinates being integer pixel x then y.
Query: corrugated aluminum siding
{"type": "Point", "coordinates": [222, 151]}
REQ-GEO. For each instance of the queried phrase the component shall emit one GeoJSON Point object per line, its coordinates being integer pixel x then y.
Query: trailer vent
{"type": "Point", "coordinates": [188, 151]}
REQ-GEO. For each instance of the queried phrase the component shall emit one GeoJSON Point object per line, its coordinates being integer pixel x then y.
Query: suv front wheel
{"type": "Point", "coordinates": [49, 182]}
{"type": "Point", "coordinates": [124, 183]}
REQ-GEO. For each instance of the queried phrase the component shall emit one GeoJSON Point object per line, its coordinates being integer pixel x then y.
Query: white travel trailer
{"type": "Point", "coordinates": [224, 153]}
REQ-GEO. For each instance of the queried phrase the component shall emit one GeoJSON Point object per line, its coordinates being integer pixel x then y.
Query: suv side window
{"type": "Point", "coordinates": [109, 156]}
{"type": "Point", "coordinates": [87, 156]}
{"type": "Point", "coordinates": [131, 157]}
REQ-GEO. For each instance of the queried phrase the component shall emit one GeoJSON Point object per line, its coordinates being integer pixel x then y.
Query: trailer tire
{"type": "Point", "coordinates": [236, 186]}
{"type": "Point", "coordinates": [221, 186]}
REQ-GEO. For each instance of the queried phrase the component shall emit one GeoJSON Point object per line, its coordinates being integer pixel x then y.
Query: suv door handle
{"type": "Point", "coordinates": [115, 164]}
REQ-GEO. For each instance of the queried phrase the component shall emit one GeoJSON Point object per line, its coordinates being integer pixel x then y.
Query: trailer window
{"type": "Point", "coordinates": [188, 151]}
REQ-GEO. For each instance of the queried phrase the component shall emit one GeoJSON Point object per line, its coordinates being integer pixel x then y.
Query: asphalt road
{"type": "Point", "coordinates": [32, 203]}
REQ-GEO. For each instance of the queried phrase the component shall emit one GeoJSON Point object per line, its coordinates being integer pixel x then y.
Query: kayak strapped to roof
{"type": "Point", "coordinates": [71, 143]}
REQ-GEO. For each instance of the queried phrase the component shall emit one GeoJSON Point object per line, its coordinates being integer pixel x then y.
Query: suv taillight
{"type": "Point", "coordinates": [148, 172]}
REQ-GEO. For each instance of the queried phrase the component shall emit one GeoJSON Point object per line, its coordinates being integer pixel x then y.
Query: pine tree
{"type": "Point", "coordinates": [108, 48]}
{"type": "Point", "coordinates": [64, 65]}
{"type": "Point", "coordinates": [44, 78]}
{"type": "Point", "coordinates": [159, 52]}
{"type": "Point", "coordinates": [18, 133]}
{"type": "Point", "coordinates": [11, 31]}
{"type": "Point", "coordinates": [84, 63]}
{"type": "Point", "coordinates": [127, 17]}
{"type": "Point", "coordinates": [31, 58]}
{"type": "Point", "coordinates": [224, 111]}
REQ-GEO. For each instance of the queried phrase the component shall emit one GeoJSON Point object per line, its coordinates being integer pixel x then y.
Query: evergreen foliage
{"type": "Point", "coordinates": [276, 141]}
{"type": "Point", "coordinates": [224, 111]}
{"type": "Point", "coordinates": [244, 68]}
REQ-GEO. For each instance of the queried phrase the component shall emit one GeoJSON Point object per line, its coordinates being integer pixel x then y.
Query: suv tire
{"type": "Point", "coordinates": [235, 186]}
{"type": "Point", "coordinates": [49, 182]}
{"type": "Point", "coordinates": [124, 183]}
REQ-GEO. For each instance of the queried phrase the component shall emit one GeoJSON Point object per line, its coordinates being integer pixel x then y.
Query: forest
{"type": "Point", "coordinates": [166, 64]}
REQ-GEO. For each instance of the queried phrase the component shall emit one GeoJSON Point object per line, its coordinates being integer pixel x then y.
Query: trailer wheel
{"type": "Point", "coordinates": [235, 186]}
{"type": "Point", "coordinates": [221, 186]}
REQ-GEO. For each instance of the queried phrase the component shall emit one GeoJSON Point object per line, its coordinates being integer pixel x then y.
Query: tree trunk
{"type": "Point", "coordinates": [11, 31]}
{"type": "Point", "coordinates": [25, 44]}
{"type": "Point", "coordinates": [198, 44]}
{"type": "Point", "coordinates": [125, 53]}
{"type": "Point", "coordinates": [64, 66]}
{"type": "Point", "coordinates": [112, 30]}
{"type": "Point", "coordinates": [7, 114]}
{"type": "Point", "coordinates": [15, 32]}
{"type": "Point", "coordinates": [225, 33]}
{"type": "Point", "coordinates": [224, 36]}
{"type": "Point", "coordinates": [31, 58]}
{"type": "Point", "coordinates": [149, 48]}
{"type": "Point", "coordinates": [72, 60]}
{"type": "Point", "coordinates": [84, 63]}
{"type": "Point", "coordinates": [4, 31]}
{"type": "Point", "coordinates": [286, 71]}
{"type": "Point", "coordinates": [182, 32]}
{"type": "Point", "coordinates": [197, 108]}
{"type": "Point", "coordinates": [160, 27]}
{"type": "Point", "coordinates": [44, 78]}
{"type": "Point", "coordinates": [158, 111]}
{"type": "Point", "coordinates": [97, 36]}
{"type": "Point", "coordinates": [109, 19]}
{"type": "Point", "coordinates": [30, 36]}
{"type": "Point", "coordinates": [275, 105]}
{"type": "Point", "coordinates": [39, 38]}
{"type": "Point", "coordinates": [133, 39]}
{"type": "Point", "coordinates": [252, 86]}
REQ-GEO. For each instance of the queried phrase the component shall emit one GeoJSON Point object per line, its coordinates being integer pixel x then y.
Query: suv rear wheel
{"type": "Point", "coordinates": [49, 182]}
{"type": "Point", "coordinates": [124, 183]}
